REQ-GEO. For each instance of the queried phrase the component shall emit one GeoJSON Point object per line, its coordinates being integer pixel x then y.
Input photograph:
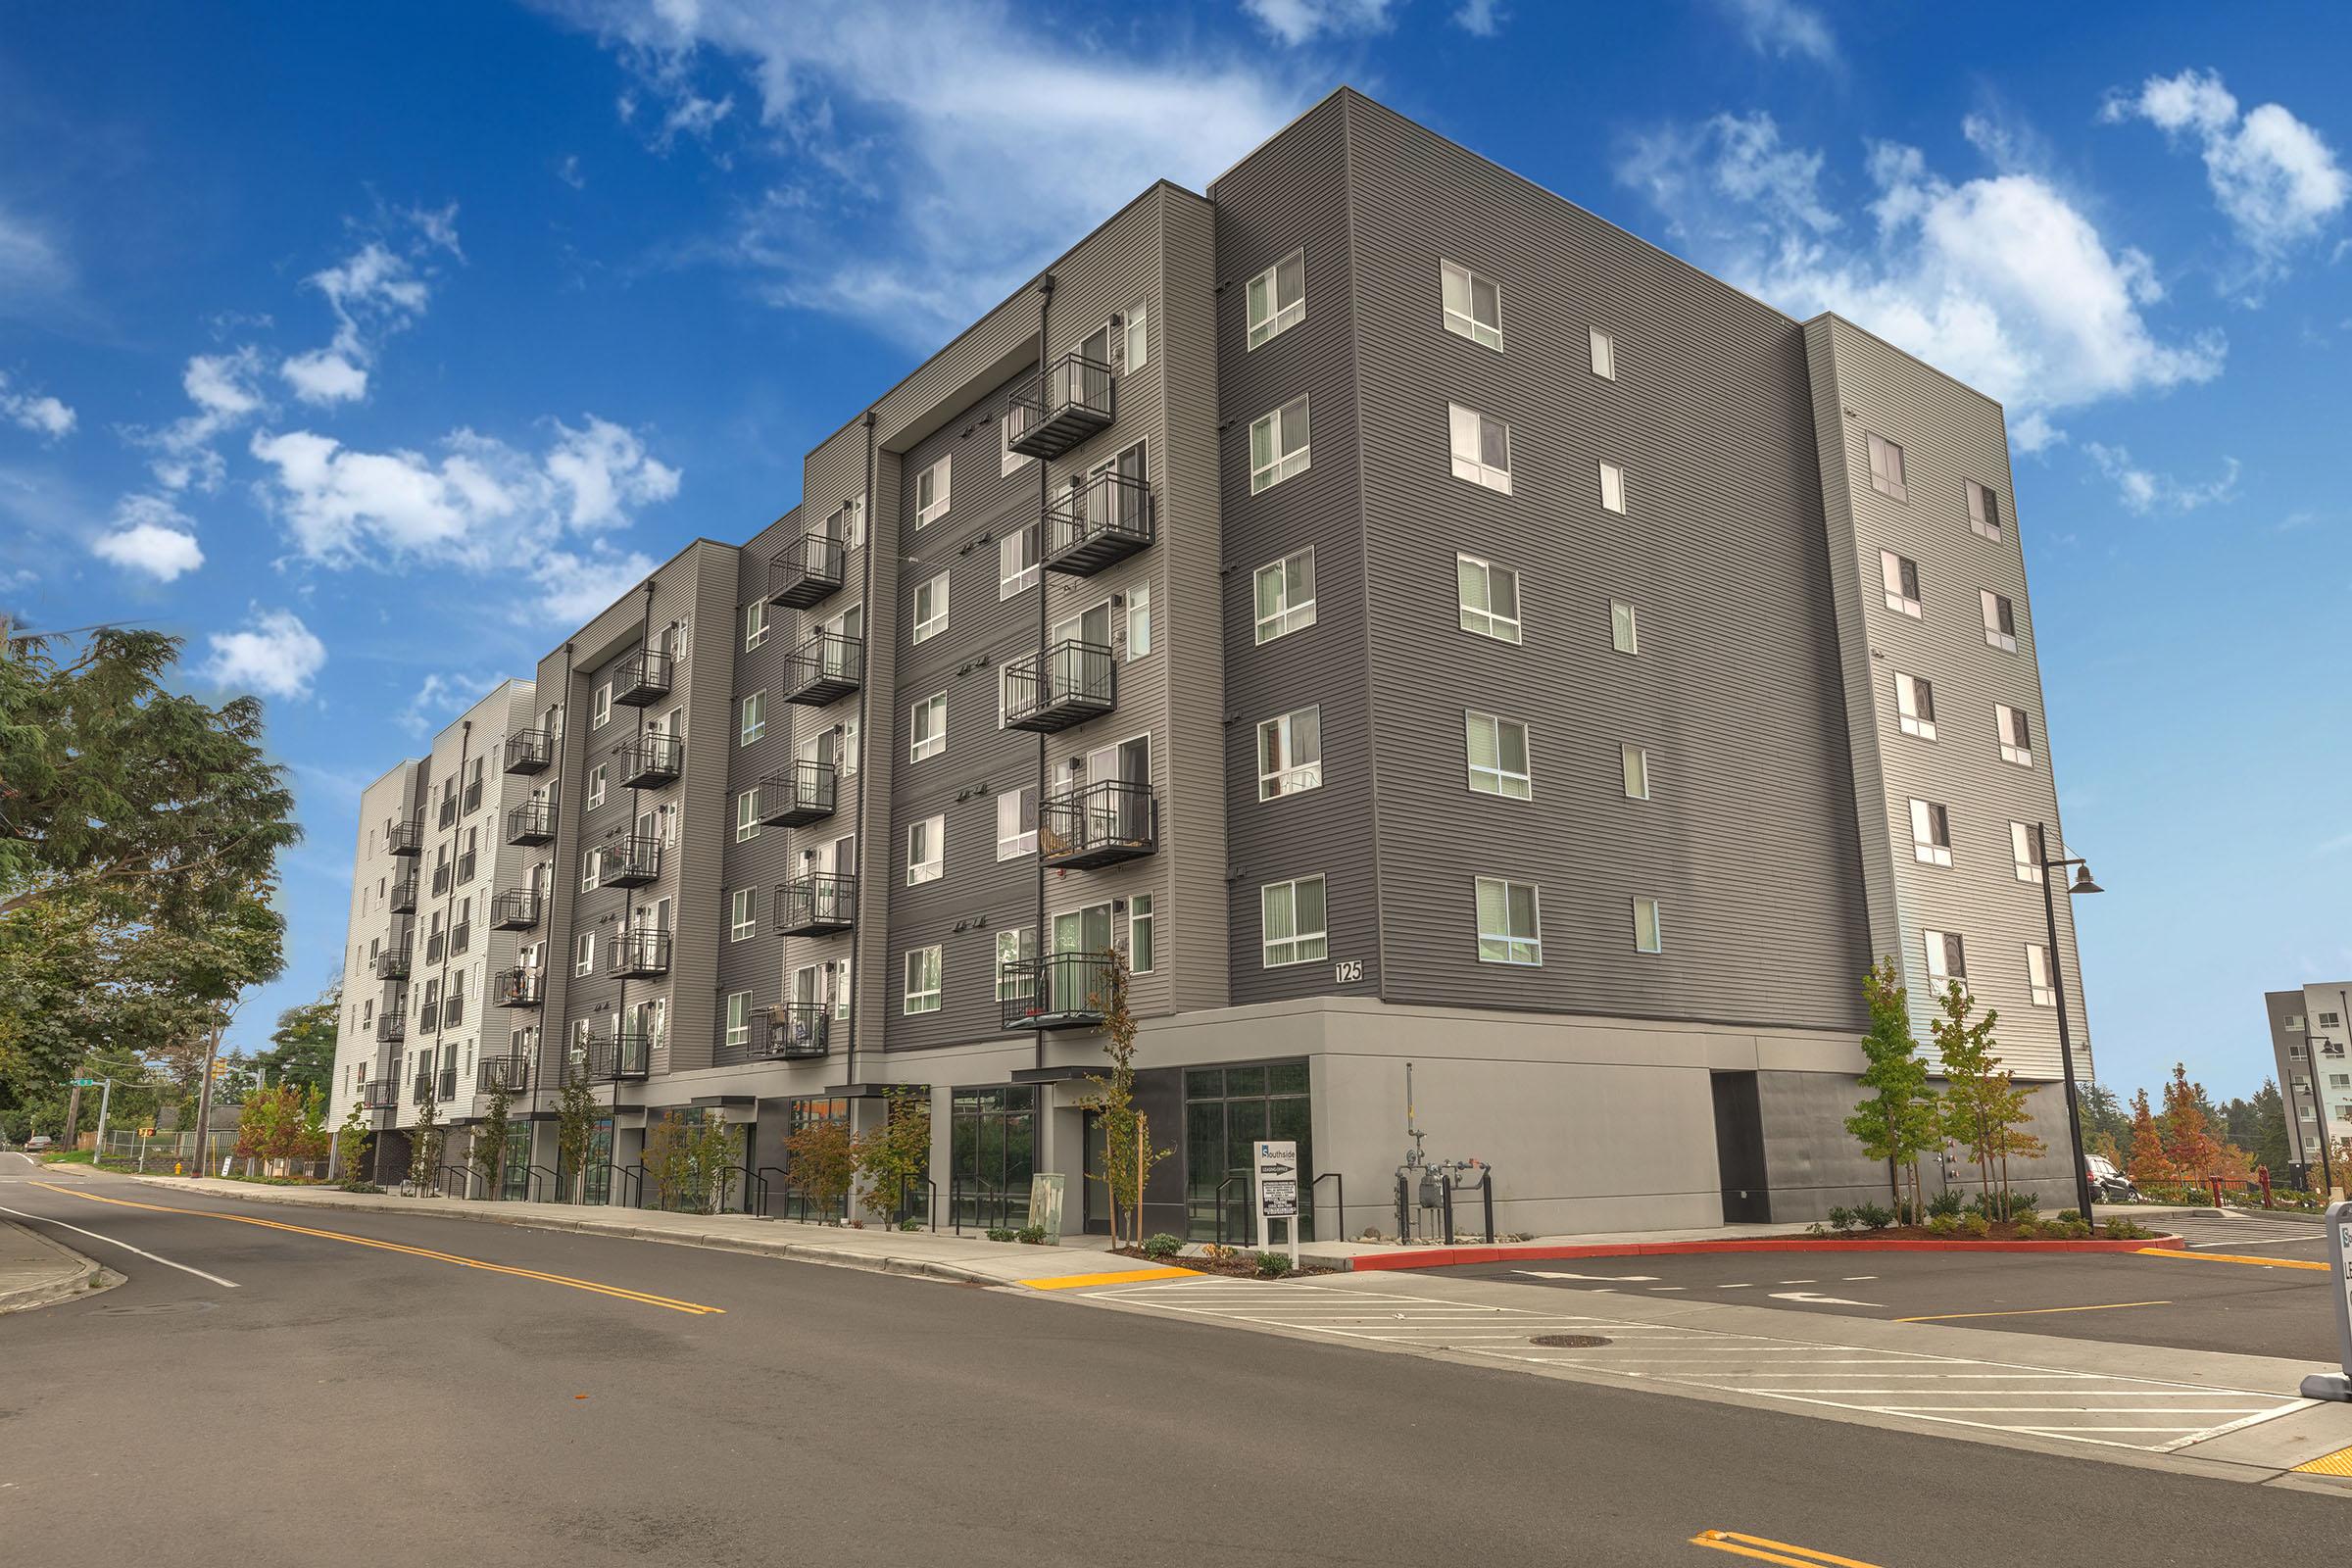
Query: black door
{"type": "Point", "coordinates": [1740, 1149]}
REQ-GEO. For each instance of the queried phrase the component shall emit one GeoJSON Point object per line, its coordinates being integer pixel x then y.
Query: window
{"type": "Point", "coordinates": [1947, 960]}
{"type": "Point", "coordinates": [1983, 508]}
{"type": "Point", "coordinates": [589, 861]}
{"type": "Point", "coordinates": [1625, 632]}
{"type": "Point", "coordinates": [1604, 354]}
{"type": "Point", "coordinates": [747, 816]}
{"type": "Point", "coordinates": [1649, 926]}
{"type": "Point", "coordinates": [2001, 622]}
{"type": "Point", "coordinates": [1278, 446]}
{"type": "Point", "coordinates": [1633, 762]}
{"type": "Point", "coordinates": [1139, 621]}
{"type": "Point", "coordinates": [600, 710]}
{"type": "Point", "coordinates": [742, 918]}
{"type": "Point", "coordinates": [924, 862]}
{"type": "Point", "coordinates": [1289, 754]}
{"type": "Point", "coordinates": [1017, 979]}
{"type": "Point", "coordinates": [1141, 934]}
{"type": "Point", "coordinates": [1285, 595]}
{"type": "Point", "coordinates": [1612, 488]}
{"type": "Point", "coordinates": [1488, 596]}
{"type": "Point", "coordinates": [1277, 298]}
{"type": "Point", "coordinates": [755, 624]}
{"type": "Point", "coordinates": [1016, 823]}
{"type": "Point", "coordinates": [922, 980]}
{"type": "Point", "coordinates": [2330, 1021]}
{"type": "Point", "coordinates": [931, 492]}
{"type": "Point", "coordinates": [739, 1018]}
{"type": "Point", "coordinates": [1008, 459]}
{"type": "Point", "coordinates": [927, 727]}
{"type": "Point", "coordinates": [2037, 975]}
{"type": "Point", "coordinates": [1930, 833]}
{"type": "Point", "coordinates": [1481, 448]}
{"type": "Point", "coordinates": [755, 718]}
{"type": "Point", "coordinates": [1291, 916]}
{"type": "Point", "coordinates": [584, 954]}
{"type": "Point", "coordinates": [930, 608]}
{"type": "Point", "coordinates": [1137, 338]}
{"type": "Point", "coordinates": [596, 786]}
{"type": "Point", "coordinates": [2025, 847]}
{"type": "Point", "coordinates": [1915, 702]}
{"type": "Point", "coordinates": [1472, 305]}
{"type": "Point", "coordinates": [1498, 750]}
{"type": "Point", "coordinates": [2016, 735]}
{"type": "Point", "coordinates": [1886, 468]}
{"type": "Point", "coordinates": [1899, 575]}
{"type": "Point", "coordinates": [1509, 925]}
{"type": "Point", "coordinates": [1016, 561]}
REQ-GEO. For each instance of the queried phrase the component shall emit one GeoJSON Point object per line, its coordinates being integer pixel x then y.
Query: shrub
{"type": "Point", "coordinates": [998, 1233]}
{"type": "Point", "coordinates": [1031, 1235]}
{"type": "Point", "coordinates": [2019, 1205]}
{"type": "Point", "coordinates": [359, 1187]}
{"type": "Point", "coordinates": [1842, 1220]}
{"type": "Point", "coordinates": [2069, 1216]}
{"type": "Point", "coordinates": [1272, 1265]}
{"type": "Point", "coordinates": [2124, 1230]}
{"type": "Point", "coordinates": [1977, 1226]}
{"type": "Point", "coordinates": [911, 1224]}
{"type": "Point", "coordinates": [1943, 1224]}
{"type": "Point", "coordinates": [1873, 1216]}
{"type": "Point", "coordinates": [1945, 1204]}
{"type": "Point", "coordinates": [2028, 1229]}
{"type": "Point", "coordinates": [2074, 1230]}
{"type": "Point", "coordinates": [1817, 1229]}
{"type": "Point", "coordinates": [1164, 1246]}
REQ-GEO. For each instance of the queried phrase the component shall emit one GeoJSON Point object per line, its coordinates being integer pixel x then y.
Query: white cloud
{"type": "Point", "coordinates": [2273, 177]}
{"type": "Point", "coordinates": [31, 267]}
{"type": "Point", "coordinates": [568, 171]}
{"type": "Point", "coordinates": [2000, 280]}
{"type": "Point", "coordinates": [1296, 22]}
{"type": "Point", "coordinates": [275, 655]}
{"type": "Point", "coordinates": [439, 698]}
{"type": "Point", "coordinates": [153, 536]}
{"type": "Point", "coordinates": [2143, 490]}
{"type": "Point", "coordinates": [324, 375]}
{"type": "Point", "coordinates": [1480, 19]}
{"type": "Point", "coordinates": [482, 506]}
{"type": "Point", "coordinates": [46, 416]}
{"type": "Point", "coordinates": [1783, 28]}
{"type": "Point", "coordinates": [223, 388]}
{"type": "Point", "coordinates": [374, 292]}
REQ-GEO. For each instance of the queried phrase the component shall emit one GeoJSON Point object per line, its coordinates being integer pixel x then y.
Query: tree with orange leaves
{"type": "Point", "coordinates": [2149, 1164]}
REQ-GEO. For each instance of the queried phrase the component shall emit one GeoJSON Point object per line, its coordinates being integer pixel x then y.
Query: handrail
{"type": "Point", "coordinates": [465, 1174]}
{"type": "Point", "coordinates": [636, 1172]}
{"type": "Point", "coordinates": [1339, 1206]}
{"type": "Point", "coordinates": [1233, 1174]}
{"type": "Point", "coordinates": [530, 1177]}
{"type": "Point", "coordinates": [906, 1208]}
{"type": "Point", "coordinates": [749, 1178]}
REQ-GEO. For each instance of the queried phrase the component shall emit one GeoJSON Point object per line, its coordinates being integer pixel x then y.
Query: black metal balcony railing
{"type": "Point", "coordinates": [520, 987]}
{"type": "Point", "coordinates": [428, 1018]}
{"type": "Point", "coordinates": [404, 835]}
{"type": "Point", "coordinates": [827, 665]}
{"type": "Point", "coordinates": [814, 906]}
{"type": "Point", "coordinates": [530, 750]}
{"type": "Point", "coordinates": [379, 1094]}
{"type": "Point", "coordinates": [643, 677]}
{"type": "Point", "coordinates": [449, 1083]}
{"type": "Point", "coordinates": [512, 1073]}
{"type": "Point", "coordinates": [1099, 825]}
{"type": "Point", "coordinates": [649, 760]}
{"type": "Point", "coordinates": [626, 1056]}
{"type": "Point", "coordinates": [1065, 684]}
{"type": "Point", "coordinates": [531, 822]}
{"type": "Point", "coordinates": [393, 962]}
{"type": "Point", "coordinates": [1097, 524]}
{"type": "Point", "coordinates": [460, 938]}
{"type": "Point", "coordinates": [404, 895]}
{"type": "Point", "coordinates": [630, 862]}
{"type": "Point", "coordinates": [516, 910]}
{"type": "Point", "coordinates": [640, 952]}
{"type": "Point", "coordinates": [793, 1031]}
{"type": "Point", "coordinates": [1059, 991]}
{"type": "Point", "coordinates": [392, 1026]}
{"type": "Point", "coordinates": [421, 1091]}
{"type": "Point", "coordinates": [1073, 399]}
{"type": "Point", "coordinates": [801, 793]}
{"type": "Point", "coordinates": [436, 949]}
{"type": "Point", "coordinates": [805, 571]}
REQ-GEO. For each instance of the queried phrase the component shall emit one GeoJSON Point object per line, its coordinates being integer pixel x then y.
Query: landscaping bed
{"type": "Point", "coordinates": [1233, 1261]}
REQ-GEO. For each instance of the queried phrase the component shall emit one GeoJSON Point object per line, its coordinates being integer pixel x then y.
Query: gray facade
{"type": "Point", "coordinates": [2312, 1049]}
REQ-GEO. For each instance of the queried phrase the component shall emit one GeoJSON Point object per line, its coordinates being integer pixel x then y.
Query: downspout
{"type": "Point", "coordinates": [872, 523]}
{"type": "Point", "coordinates": [1044, 499]}
{"type": "Point", "coordinates": [554, 872]}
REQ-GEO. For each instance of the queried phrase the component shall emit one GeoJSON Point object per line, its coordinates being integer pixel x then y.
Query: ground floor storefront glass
{"type": "Point", "coordinates": [786, 1196]}
{"type": "Point", "coordinates": [599, 1187]}
{"type": "Point", "coordinates": [1226, 1111]}
{"type": "Point", "coordinates": [992, 1140]}
{"type": "Point", "coordinates": [514, 1176]}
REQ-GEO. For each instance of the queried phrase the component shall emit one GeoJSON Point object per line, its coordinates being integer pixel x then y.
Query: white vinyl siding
{"type": "Point", "coordinates": [1292, 922]}
{"type": "Point", "coordinates": [1278, 446]}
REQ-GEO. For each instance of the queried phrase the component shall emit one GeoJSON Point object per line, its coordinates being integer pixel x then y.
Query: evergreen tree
{"type": "Point", "coordinates": [2148, 1163]}
{"type": "Point", "coordinates": [2271, 1146]}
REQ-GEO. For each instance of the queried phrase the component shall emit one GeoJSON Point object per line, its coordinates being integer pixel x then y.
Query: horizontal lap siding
{"type": "Point", "coordinates": [1749, 840]}
{"type": "Point", "coordinates": [755, 965]}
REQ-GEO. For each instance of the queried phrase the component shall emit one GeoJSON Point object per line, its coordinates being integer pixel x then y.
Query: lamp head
{"type": "Point", "coordinates": [2083, 883]}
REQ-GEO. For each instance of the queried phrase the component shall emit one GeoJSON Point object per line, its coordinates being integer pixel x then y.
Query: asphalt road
{"type": "Point", "coordinates": [317, 1400]}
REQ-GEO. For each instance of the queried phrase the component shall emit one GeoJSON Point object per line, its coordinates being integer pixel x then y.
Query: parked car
{"type": "Point", "coordinates": [33, 1145]}
{"type": "Point", "coordinates": [2109, 1185]}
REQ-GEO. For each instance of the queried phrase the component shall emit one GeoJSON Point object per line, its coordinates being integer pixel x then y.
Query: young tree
{"type": "Point", "coordinates": [1981, 1109]}
{"type": "Point", "coordinates": [576, 1115]}
{"type": "Point", "coordinates": [1898, 1122]}
{"type": "Point", "coordinates": [687, 1162]}
{"type": "Point", "coordinates": [823, 1162]}
{"type": "Point", "coordinates": [893, 1156]}
{"type": "Point", "coordinates": [352, 1141]}
{"type": "Point", "coordinates": [2148, 1165]}
{"type": "Point", "coordinates": [489, 1154]}
{"type": "Point", "coordinates": [2187, 1131]}
{"type": "Point", "coordinates": [424, 1148]}
{"type": "Point", "coordinates": [2270, 1146]}
{"type": "Point", "coordinates": [1127, 1152]}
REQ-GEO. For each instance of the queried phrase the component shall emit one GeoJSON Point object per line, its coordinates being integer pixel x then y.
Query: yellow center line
{"type": "Point", "coordinates": [1764, 1549]}
{"type": "Point", "coordinates": [2229, 1257]}
{"type": "Point", "coordinates": [1071, 1282]}
{"type": "Point", "coordinates": [617, 1291]}
{"type": "Point", "coordinates": [2030, 1311]}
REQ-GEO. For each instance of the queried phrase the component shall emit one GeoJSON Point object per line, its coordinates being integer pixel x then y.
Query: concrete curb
{"type": "Point", "coordinates": [1450, 1257]}
{"type": "Point", "coordinates": [77, 1276]}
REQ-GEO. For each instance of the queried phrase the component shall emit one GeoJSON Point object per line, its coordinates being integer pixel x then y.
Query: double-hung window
{"type": "Point", "coordinates": [755, 624]}
{"type": "Point", "coordinates": [1498, 751]}
{"type": "Point", "coordinates": [1898, 576]}
{"type": "Point", "coordinates": [1604, 354]}
{"type": "Point", "coordinates": [1278, 446]}
{"type": "Point", "coordinates": [1277, 299]}
{"type": "Point", "coordinates": [583, 954]}
{"type": "Point", "coordinates": [1930, 833]}
{"type": "Point", "coordinates": [591, 863]}
{"type": "Point", "coordinates": [747, 816]}
{"type": "Point", "coordinates": [2016, 735]}
{"type": "Point", "coordinates": [1016, 561]}
{"type": "Point", "coordinates": [924, 853]}
{"type": "Point", "coordinates": [1291, 919]}
{"type": "Point", "coordinates": [742, 917]}
{"type": "Point", "coordinates": [1625, 629]}
{"type": "Point", "coordinates": [1510, 923]}
{"type": "Point", "coordinates": [1489, 597]}
{"type": "Point", "coordinates": [922, 980]}
{"type": "Point", "coordinates": [927, 727]}
{"type": "Point", "coordinates": [739, 1021]}
{"type": "Point", "coordinates": [931, 492]}
{"type": "Point", "coordinates": [1016, 976]}
{"type": "Point", "coordinates": [1016, 823]}
{"type": "Point", "coordinates": [1948, 958]}
{"type": "Point", "coordinates": [2001, 621]}
{"type": "Point", "coordinates": [930, 608]}
{"type": "Point", "coordinates": [1289, 754]}
{"type": "Point", "coordinates": [1915, 704]}
{"type": "Point", "coordinates": [2037, 975]}
{"type": "Point", "coordinates": [600, 708]}
{"type": "Point", "coordinates": [2025, 848]}
{"type": "Point", "coordinates": [1481, 448]}
{"type": "Point", "coordinates": [1983, 511]}
{"type": "Point", "coordinates": [596, 786]}
{"type": "Point", "coordinates": [1285, 595]}
{"type": "Point", "coordinates": [1886, 468]}
{"type": "Point", "coordinates": [755, 718]}
{"type": "Point", "coordinates": [1472, 305]}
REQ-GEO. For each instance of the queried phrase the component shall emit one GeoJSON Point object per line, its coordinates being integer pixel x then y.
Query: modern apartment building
{"type": "Point", "coordinates": [2310, 1040]}
{"type": "Point", "coordinates": [1407, 619]}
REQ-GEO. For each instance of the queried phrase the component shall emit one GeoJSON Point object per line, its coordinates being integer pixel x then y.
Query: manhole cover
{"type": "Point", "coordinates": [1568, 1342]}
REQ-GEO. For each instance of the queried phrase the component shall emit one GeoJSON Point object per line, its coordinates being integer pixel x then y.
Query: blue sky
{"type": "Point", "coordinates": [371, 350]}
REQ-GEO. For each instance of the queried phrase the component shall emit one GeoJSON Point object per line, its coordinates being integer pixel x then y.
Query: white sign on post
{"type": "Point", "coordinates": [1278, 1192]}
{"type": "Point", "coordinates": [2338, 1384]}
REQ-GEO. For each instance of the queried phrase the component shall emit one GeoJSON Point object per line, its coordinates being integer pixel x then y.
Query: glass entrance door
{"type": "Point", "coordinates": [1226, 1111]}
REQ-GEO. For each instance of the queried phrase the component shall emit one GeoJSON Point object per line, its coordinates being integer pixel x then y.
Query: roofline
{"type": "Point", "coordinates": [1897, 348]}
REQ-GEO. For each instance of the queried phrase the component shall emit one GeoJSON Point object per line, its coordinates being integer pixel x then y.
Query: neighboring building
{"type": "Point", "coordinates": [379, 955]}
{"type": "Point", "coordinates": [1410, 619]}
{"type": "Point", "coordinates": [2313, 1048]}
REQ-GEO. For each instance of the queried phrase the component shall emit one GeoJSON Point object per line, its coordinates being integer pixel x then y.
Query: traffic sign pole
{"type": "Point", "coordinates": [105, 1098]}
{"type": "Point", "coordinates": [2338, 1384]}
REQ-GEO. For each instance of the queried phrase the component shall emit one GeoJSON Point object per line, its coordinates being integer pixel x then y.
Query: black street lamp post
{"type": "Point", "coordinates": [2066, 1044]}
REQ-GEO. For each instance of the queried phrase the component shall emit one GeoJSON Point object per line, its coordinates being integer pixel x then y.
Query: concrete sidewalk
{"type": "Point", "coordinates": [35, 1271]}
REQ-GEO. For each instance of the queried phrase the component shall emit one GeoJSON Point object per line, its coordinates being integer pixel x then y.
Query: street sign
{"type": "Point", "coordinates": [2338, 1384]}
{"type": "Point", "coordinates": [86, 1083]}
{"type": "Point", "coordinates": [1278, 1180]}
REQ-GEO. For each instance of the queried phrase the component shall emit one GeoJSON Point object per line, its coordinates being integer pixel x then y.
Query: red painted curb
{"type": "Point", "coordinates": [1451, 1256]}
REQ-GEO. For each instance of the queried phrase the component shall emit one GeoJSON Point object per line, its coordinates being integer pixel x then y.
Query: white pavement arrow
{"type": "Point", "coordinates": [1812, 1298]}
{"type": "Point", "coordinates": [1613, 1279]}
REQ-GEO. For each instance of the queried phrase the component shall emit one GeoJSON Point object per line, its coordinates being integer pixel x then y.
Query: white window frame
{"type": "Point", "coordinates": [1022, 987]}
{"type": "Point", "coordinates": [1625, 627]}
{"type": "Point", "coordinates": [1604, 354]}
{"type": "Point", "coordinates": [1927, 817]}
{"type": "Point", "coordinates": [1008, 462]}
{"type": "Point", "coordinates": [1279, 317]}
{"type": "Point", "coordinates": [1135, 338]}
{"type": "Point", "coordinates": [1907, 688]}
{"type": "Point", "coordinates": [2039, 985]}
{"type": "Point", "coordinates": [596, 786]}
{"type": "Point", "coordinates": [1653, 938]}
{"type": "Point", "coordinates": [1143, 951]}
{"type": "Point", "coordinates": [1281, 464]}
{"type": "Point", "coordinates": [747, 816]}
{"type": "Point", "coordinates": [1994, 636]}
{"type": "Point", "coordinates": [940, 472]}
{"type": "Point", "coordinates": [1023, 552]}
{"type": "Point", "coordinates": [2022, 854]}
{"type": "Point", "coordinates": [1887, 474]}
{"type": "Point", "coordinates": [1287, 618]}
{"type": "Point", "coordinates": [924, 964]}
{"type": "Point", "coordinates": [2011, 751]}
{"type": "Point", "coordinates": [591, 865]}
{"type": "Point", "coordinates": [1297, 775]}
{"type": "Point", "coordinates": [600, 707]}
{"type": "Point", "coordinates": [1139, 644]}
{"type": "Point", "coordinates": [929, 625]}
{"type": "Point", "coordinates": [1465, 323]}
{"type": "Point", "coordinates": [1507, 946]}
{"type": "Point", "coordinates": [1940, 970]}
{"type": "Point", "coordinates": [755, 624]}
{"type": "Point", "coordinates": [1633, 769]}
{"type": "Point", "coordinates": [1294, 947]}
{"type": "Point", "coordinates": [1465, 422]}
{"type": "Point", "coordinates": [1503, 628]}
{"type": "Point", "coordinates": [743, 914]}
{"type": "Point", "coordinates": [737, 1019]}
{"type": "Point", "coordinates": [1021, 841]}
{"type": "Point", "coordinates": [1612, 487]}
{"type": "Point", "coordinates": [927, 727]}
{"type": "Point", "coordinates": [1983, 511]}
{"type": "Point", "coordinates": [583, 954]}
{"type": "Point", "coordinates": [926, 850]}
{"type": "Point", "coordinates": [751, 718]}
{"type": "Point", "coordinates": [1893, 566]}
{"type": "Point", "coordinates": [1500, 780]}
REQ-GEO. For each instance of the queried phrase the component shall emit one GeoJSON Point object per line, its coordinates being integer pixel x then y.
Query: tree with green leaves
{"type": "Point", "coordinates": [352, 1147]}
{"type": "Point", "coordinates": [424, 1146]}
{"type": "Point", "coordinates": [576, 1115]}
{"type": "Point", "coordinates": [893, 1156]}
{"type": "Point", "coordinates": [489, 1154]}
{"type": "Point", "coordinates": [1898, 1122]}
{"type": "Point", "coordinates": [686, 1160]}
{"type": "Point", "coordinates": [302, 1048]}
{"type": "Point", "coordinates": [822, 1159]}
{"type": "Point", "coordinates": [2272, 1151]}
{"type": "Point", "coordinates": [2102, 1116]}
{"type": "Point", "coordinates": [1127, 1152]}
{"type": "Point", "coordinates": [1981, 1106]}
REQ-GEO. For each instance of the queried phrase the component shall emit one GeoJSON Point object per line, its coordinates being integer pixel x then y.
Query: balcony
{"type": "Point", "coordinates": [428, 1018]}
{"type": "Point", "coordinates": [404, 835]}
{"type": "Point", "coordinates": [801, 793]}
{"type": "Point", "coordinates": [793, 1031]}
{"type": "Point", "coordinates": [1099, 825]}
{"type": "Point", "coordinates": [531, 822]}
{"type": "Point", "coordinates": [1059, 991]}
{"type": "Point", "coordinates": [1065, 684]}
{"type": "Point", "coordinates": [805, 571]}
{"type": "Point", "coordinates": [530, 750]}
{"type": "Point", "coordinates": [511, 1073]}
{"type": "Point", "coordinates": [827, 665]}
{"type": "Point", "coordinates": [379, 1094]}
{"type": "Point", "coordinates": [630, 862]}
{"type": "Point", "coordinates": [520, 987]}
{"type": "Point", "coordinates": [1098, 525]}
{"type": "Point", "coordinates": [640, 952]}
{"type": "Point", "coordinates": [517, 910]}
{"type": "Point", "coordinates": [817, 906]}
{"type": "Point", "coordinates": [649, 760]}
{"type": "Point", "coordinates": [392, 1027]}
{"type": "Point", "coordinates": [643, 677]}
{"type": "Point", "coordinates": [393, 962]}
{"type": "Point", "coordinates": [404, 895]}
{"type": "Point", "coordinates": [447, 816]}
{"type": "Point", "coordinates": [1073, 399]}
{"type": "Point", "coordinates": [624, 1058]}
